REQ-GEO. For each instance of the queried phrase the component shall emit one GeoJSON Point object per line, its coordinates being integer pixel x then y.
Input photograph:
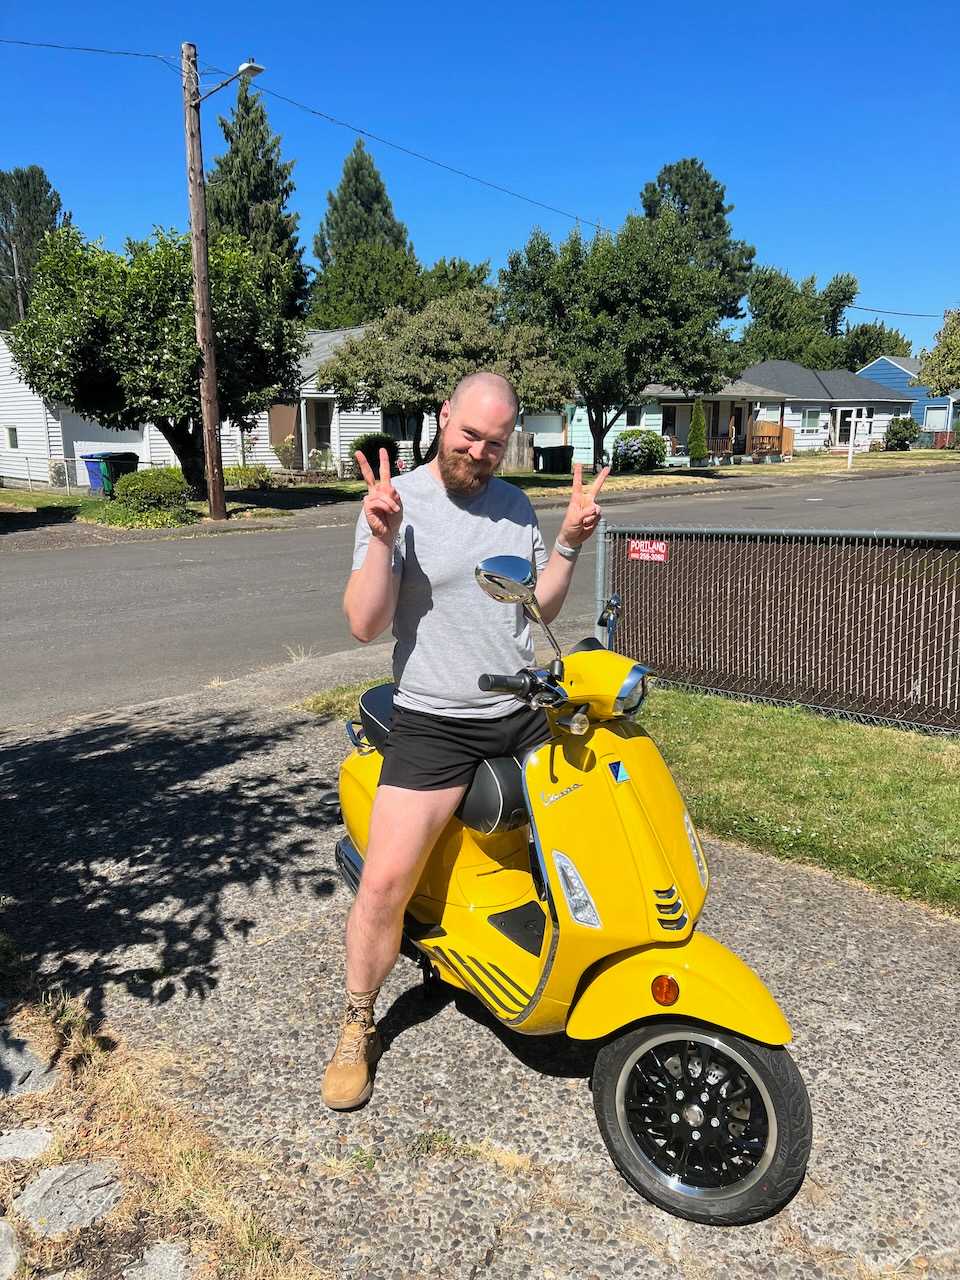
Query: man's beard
{"type": "Point", "coordinates": [460, 474]}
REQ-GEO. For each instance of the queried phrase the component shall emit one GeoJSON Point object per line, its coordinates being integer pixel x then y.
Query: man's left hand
{"type": "Point", "coordinates": [583, 514]}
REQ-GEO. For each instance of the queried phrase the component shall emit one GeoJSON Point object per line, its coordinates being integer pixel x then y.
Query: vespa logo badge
{"type": "Point", "coordinates": [619, 771]}
{"type": "Point", "coordinates": [546, 800]}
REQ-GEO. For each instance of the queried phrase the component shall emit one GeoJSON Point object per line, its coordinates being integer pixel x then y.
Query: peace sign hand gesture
{"type": "Point", "coordinates": [382, 505]}
{"type": "Point", "coordinates": [583, 514]}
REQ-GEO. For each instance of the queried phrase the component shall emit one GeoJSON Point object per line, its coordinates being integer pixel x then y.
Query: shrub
{"type": "Point", "coordinates": [116, 514]}
{"type": "Point", "coordinates": [639, 450]}
{"type": "Point", "coordinates": [159, 489]}
{"type": "Point", "coordinates": [287, 452]}
{"type": "Point", "coordinates": [697, 439]}
{"type": "Point", "coordinates": [58, 474]}
{"type": "Point", "coordinates": [901, 434]}
{"type": "Point", "coordinates": [254, 476]}
{"type": "Point", "coordinates": [370, 446]}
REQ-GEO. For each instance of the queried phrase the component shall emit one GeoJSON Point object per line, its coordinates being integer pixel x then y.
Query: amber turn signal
{"type": "Point", "coordinates": [665, 990]}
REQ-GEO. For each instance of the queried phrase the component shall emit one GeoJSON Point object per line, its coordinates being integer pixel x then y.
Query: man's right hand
{"type": "Point", "coordinates": [382, 505]}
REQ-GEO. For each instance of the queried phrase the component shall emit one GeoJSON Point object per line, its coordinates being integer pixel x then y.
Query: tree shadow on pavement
{"type": "Point", "coordinates": [126, 841]}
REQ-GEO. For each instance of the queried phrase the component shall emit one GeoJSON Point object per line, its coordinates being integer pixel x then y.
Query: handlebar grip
{"type": "Point", "coordinates": [504, 684]}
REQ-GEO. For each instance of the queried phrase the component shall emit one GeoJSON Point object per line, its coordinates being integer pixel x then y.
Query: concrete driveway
{"type": "Point", "coordinates": [181, 871]}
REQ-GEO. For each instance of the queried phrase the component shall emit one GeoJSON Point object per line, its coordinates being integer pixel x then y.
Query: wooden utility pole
{"type": "Point", "coordinates": [16, 279]}
{"type": "Point", "coordinates": [201, 284]}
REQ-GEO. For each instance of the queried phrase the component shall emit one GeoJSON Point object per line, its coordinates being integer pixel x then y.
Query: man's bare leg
{"type": "Point", "coordinates": [404, 826]}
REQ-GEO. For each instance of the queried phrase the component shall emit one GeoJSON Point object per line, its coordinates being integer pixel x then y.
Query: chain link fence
{"type": "Point", "coordinates": [864, 625]}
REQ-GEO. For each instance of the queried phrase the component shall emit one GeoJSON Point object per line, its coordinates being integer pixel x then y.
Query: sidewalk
{"type": "Point", "coordinates": [175, 862]}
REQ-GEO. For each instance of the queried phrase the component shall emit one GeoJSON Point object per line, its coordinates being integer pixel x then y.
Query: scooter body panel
{"type": "Point", "coordinates": [716, 987]}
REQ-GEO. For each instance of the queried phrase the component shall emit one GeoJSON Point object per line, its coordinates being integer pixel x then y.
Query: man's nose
{"type": "Point", "coordinates": [477, 450]}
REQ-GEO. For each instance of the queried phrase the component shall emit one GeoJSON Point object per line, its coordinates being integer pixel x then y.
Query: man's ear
{"type": "Point", "coordinates": [444, 415]}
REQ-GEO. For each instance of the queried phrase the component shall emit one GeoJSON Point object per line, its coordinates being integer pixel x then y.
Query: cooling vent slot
{"type": "Point", "coordinates": [670, 912]}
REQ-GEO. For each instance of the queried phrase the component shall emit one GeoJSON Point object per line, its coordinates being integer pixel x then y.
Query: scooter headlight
{"type": "Point", "coordinates": [578, 899]}
{"type": "Point", "coordinates": [695, 849]}
{"type": "Point", "coordinates": [633, 691]}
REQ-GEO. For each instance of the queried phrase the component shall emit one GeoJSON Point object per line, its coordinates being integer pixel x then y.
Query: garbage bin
{"type": "Point", "coordinates": [105, 468]}
{"type": "Point", "coordinates": [555, 459]}
{"type": "Point", "coordinates": [115, 465]}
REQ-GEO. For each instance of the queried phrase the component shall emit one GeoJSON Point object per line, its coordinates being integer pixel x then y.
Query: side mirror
{"type": "Point", "coordinates": [511, 580]}
{"type": "Point", "coordinates": [508, 579]}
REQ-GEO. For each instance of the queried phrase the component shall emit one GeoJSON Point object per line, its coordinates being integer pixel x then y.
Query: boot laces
{"type": "Point", "coordinates": [354, 1037]}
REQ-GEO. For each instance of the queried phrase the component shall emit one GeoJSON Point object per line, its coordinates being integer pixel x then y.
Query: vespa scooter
{"type": "Point", "coordinates": [564, 895]}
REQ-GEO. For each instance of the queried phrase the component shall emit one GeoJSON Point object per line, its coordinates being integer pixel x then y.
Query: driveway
{"type": "Point", "coordinates": [180, 869]}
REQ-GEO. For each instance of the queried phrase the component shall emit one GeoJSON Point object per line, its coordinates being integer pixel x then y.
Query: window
{"type": "Point", "coordinates": [810, 425]}
{"type": "Point", "coordinates": [634, 415]}
{"type": "Point", "coordinates": [715, 418]}
{"type": "Point", "coordinates": [12, 442]}
{"type": "Point", "coordinates": [669, 426]}
{"type": "Point", "coordinates": [402, 426]}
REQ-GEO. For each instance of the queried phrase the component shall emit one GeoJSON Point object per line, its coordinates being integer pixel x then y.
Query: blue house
{"type": "Point", "coordinates": [934, 413]}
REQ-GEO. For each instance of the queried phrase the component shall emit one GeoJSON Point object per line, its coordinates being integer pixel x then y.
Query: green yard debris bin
{"type": "Point", "coordinates": [115, 465]}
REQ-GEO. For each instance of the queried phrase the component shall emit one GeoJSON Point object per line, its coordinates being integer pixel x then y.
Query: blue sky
{"type": "Point", "coordinates": [833, 126]}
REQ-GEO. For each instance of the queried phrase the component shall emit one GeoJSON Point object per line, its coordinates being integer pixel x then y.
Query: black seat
{"type": "Point", "coordinates": [494, 800]}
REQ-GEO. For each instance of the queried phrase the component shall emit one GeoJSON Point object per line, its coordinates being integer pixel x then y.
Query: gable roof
{"type": "Point", "coordinates": [794, 382]}
{"type": "Point", "coordinates": [909, 364]}
{"type": "Point", "coordinates": [321, 344]}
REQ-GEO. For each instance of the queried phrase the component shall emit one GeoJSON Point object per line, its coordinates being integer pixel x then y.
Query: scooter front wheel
{"type": "Point", "coordinates": [704, 1123]}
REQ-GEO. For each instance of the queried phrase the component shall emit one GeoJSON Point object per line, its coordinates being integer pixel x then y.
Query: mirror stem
{"type": "Point", "coordinates": [533, 611]}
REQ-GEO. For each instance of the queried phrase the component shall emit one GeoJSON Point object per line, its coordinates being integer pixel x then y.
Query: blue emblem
{"type": "Point", "coordinates": [619, 771]}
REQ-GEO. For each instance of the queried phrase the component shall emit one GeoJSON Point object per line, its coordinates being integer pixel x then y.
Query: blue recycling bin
{"type": "Point", "coordinates": [104, 469]}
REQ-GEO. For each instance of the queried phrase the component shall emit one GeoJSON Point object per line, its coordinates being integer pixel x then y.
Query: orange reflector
{"type": "Point", "coordinates": [665, 990]}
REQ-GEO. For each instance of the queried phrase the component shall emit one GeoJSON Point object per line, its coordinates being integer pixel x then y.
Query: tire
{"type": "Point", "coordinates": [725, 1150]}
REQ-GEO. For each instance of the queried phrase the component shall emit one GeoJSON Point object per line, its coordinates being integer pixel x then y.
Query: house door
{"type": "Point", "coordinates": [842, 425]}
{"type": "Point", "coordinates": [736, 430]}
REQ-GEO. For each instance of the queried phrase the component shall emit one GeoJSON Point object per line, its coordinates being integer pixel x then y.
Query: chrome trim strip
{"type": "Point", "coordinates": [669, 908]}
{"type": "Point", "coordinates": [555, 938]}
{"type": "Point", "coordinates": [679, 923]}
{"type": "Point", "coordinates": [666, 893]}
{"type": "Point", "coordinates": [349, 863]}
{"type": "Point", "coordinates": [628, 688]}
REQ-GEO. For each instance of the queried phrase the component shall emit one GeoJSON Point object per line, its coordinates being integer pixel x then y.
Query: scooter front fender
{"type": "Point", "coordinates": [715, 986]}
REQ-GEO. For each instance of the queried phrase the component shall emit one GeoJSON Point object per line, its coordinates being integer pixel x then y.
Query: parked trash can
{"type": "Point", "coordinates": [105, 468]}
{"type": "Point", "coordinates": [555, 459]}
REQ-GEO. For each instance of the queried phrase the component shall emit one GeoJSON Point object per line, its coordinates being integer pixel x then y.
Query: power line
{"type": "Point", "coordinates": [171, 62]}
{"type": "Point", "coordinates": [883, 311]}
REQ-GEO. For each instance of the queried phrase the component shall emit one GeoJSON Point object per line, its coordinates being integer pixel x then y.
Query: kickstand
{"type": "Point", "coordinates": [428, 974]}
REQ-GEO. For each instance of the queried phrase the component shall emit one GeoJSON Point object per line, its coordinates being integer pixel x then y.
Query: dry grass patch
{"type": "Point", "coordinates": [339, 702]}
{"type": "Point", "coordinates": [179, 1184]}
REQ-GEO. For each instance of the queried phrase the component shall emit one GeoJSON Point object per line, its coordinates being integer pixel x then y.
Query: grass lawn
{"type": "Point", "coordinates": [68, 508]}
{"type": "Point", "coordinates": [880, 805]}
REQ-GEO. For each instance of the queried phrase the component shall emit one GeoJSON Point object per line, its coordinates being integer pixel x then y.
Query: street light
{"type": "Point", "coordinates": [209, 408]}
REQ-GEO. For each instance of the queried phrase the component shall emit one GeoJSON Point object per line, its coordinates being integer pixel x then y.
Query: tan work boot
{"type": "Point", "coordinates": [348, 1081]}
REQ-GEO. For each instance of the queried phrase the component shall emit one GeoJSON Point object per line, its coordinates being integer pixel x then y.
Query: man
{"type": "Point", "coordinates": [418, 540]}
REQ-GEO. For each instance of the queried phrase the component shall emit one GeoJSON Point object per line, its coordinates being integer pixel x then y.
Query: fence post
{"type": "Point", "coordinates": [29, 476]}
{"type": "Point", "coordinates": [66, 474]}
{"type": "Point", "coordinates": [600, 581]}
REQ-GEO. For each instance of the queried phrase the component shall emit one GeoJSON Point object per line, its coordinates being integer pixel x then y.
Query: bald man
{"type": "Point", "coordinates": [418, 540]}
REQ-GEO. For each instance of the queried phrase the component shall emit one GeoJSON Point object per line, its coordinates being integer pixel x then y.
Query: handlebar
{"type": "Point", "coordinates": [521, 684]}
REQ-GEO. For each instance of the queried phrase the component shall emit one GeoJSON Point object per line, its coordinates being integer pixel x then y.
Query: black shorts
{"type": "Point", "coordinates": [427, 753]}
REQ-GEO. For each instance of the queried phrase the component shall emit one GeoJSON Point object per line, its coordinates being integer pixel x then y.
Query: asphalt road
{"type": "Point", "coordinates": [108, 626]}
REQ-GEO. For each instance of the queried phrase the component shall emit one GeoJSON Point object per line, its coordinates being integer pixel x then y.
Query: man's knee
{"type": "Point", "coordinates": [383, 892]}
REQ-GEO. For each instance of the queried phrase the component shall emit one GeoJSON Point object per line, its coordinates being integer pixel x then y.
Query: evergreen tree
{"type": "Point", "coordinates": [689, 189]}
{"type": "Point", "coordinates": [365, 281]}
{"type": "Point", "coordinates": [450, 275]}
{"type": "Point", "coordinates": [249, 188]}
{"type": "Point", "coordinates": [359, 209]}
{"type": "Point", "coordinates": [697, 438]}
{"type": "Point", "coordinates": [29, 208]}
{"type": "Point", "coordinates": [862, 343]}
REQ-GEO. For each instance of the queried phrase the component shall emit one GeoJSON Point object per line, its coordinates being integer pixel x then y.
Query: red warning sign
{"type": "Point", "coordinates": [648, 549]}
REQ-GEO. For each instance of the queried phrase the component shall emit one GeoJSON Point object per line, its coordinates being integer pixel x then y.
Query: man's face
{"type": "Point", "coordinates": [473, 435]}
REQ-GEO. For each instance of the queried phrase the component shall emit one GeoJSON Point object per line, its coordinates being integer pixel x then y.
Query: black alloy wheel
{"type": "Point", "coordinates": [707, 1124]}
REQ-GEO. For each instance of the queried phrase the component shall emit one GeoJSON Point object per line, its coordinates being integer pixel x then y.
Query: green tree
{"type": "Point", "coordinates": [622, 311]}
{"type": "Point", "coordinates": [940, 368]}
{"type": "Point", "coordinates": [689, 190]}
{"type": "Point", "coordinates": [29, 208]}
{"type": "Point", "coordinates": [359, 210]}
{"type": "Point", "coordinates": [364, 281]}
{"type": "Point", "coordinates": [249, 188]}
{"type": "Point", "coordinates": [450, 275]}
{"type": "Point", "coordinates": [862, 343]}
{"type": "Point", "coordinates": [697, 437]}
{"type": "Point", "coordinates": [794, 320]}
{"type": "Point", "coordinates": [410, 364]}
{"type": "Point", "coordinates": [112, 335]}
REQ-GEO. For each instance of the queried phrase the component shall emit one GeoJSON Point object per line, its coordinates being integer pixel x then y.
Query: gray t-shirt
{"type": "Point", "coordinates": [448, 630]}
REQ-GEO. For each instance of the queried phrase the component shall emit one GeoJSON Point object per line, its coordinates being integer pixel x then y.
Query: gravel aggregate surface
{"type": "Point", "coordinates": [175, 861]}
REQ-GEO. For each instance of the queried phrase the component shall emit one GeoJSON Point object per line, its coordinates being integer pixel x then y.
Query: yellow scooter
{"type": "Point", "coordinates": [565, 894]}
